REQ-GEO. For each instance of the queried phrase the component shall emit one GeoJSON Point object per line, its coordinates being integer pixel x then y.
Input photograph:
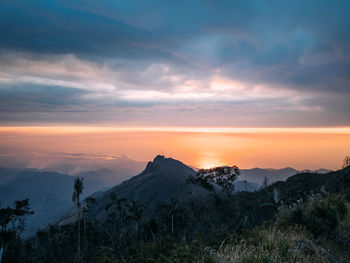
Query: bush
{"type": "Point", "coordinates": [320, 216]}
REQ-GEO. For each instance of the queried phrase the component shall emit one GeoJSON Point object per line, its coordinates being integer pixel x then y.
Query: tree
{"type": "Point", "coordinates": [223, 176]}
{"type": "Point", "coordinates": [136, 210]}
{"type": "Point", "coordinates": [88, 203]}
{"type": "Point", "coordinates": [346, 162]}
{"type": "Point", "coordinates": [78, 190]}
{"type": "Point", "coordinates": [115, 222]}
{"type": "Point", "coordinates": [116, 215]}
{"type": "Point", "coordinates": [265, 183]}
{"type": "Point", "coordinates": [170, 213]}
{"type": "Point", "coordinates": [12, 223]}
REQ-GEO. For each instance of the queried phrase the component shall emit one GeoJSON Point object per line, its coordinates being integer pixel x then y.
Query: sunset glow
{"type": "Point", "coordinates": [136, 80]}
{"type": "Point", "coordinates": [301, 148]}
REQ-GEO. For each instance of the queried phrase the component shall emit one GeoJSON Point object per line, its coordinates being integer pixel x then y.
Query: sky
{"type": "Point", "coordinates": [77, 149]}
{"type": "Point", "coordinates": [175, 63]}
{"type": "Point", "coordinates": [251, 83]}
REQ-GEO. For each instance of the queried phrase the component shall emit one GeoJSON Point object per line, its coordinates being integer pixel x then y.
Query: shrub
{"type": "Point", "coordinates": [320, 216]}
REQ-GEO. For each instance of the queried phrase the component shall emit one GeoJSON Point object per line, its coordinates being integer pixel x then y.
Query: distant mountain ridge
{"type": "Point", "coordinates": [108, 172]}
{"type": "Point", "coordinates": [257, 175]}
{"type": "Point", "coordinates": [8, 174]}
{"type": "Point", "coordinates": [50, 193]}
{"type": "Point", "coordinates": [163, 178]}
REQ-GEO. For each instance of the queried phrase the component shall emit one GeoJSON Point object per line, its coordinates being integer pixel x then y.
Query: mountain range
{"type": "Point", "coordinates": [50, 193]}
{"type": "Point", "coordinates": [257, 175]}
{"type": "Point", "coordinates": [163, 178]}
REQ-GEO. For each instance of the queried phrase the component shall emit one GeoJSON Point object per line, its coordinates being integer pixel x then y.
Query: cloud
{"type": "Point", "coordinates": [201, 62]}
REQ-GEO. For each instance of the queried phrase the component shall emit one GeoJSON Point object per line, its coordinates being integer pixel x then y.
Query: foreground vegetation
{"type": "Point", "coordinates": [305, 219]}
{"type": "Point", "coordinates": [317, 231]}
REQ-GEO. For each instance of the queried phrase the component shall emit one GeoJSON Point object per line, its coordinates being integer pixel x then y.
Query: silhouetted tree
{"type": "Point", "coordinates": [265, 183]}
{"type": "Point", "coordinates": [87, 206]}
{"type": "Point", "coordinates": [116, 214]}
{"type": "Point", "coordinates": [153, 228]}
{"type": "Point", "coordinates": [78, 190]}
{"type": "Point", "coordinates": [223, 176]}
{"type": "Point", "coordinates": [174, 207]}
{"type": "Point", "coordinates": [115, 222]}
{"type": "Point", "coordinates": [136, 210]}
{"type": "Point", "coordinates": [346, 162]}
{"type": "Point", "coordinates": [12, 223]}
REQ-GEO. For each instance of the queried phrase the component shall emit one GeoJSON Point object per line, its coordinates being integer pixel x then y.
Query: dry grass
{"type": "Point", "coordinates": [282, 242]}
{"type": "Point", "coordinates": [270, 245]}
{"type": "Point", "coordinates": [339, 242]}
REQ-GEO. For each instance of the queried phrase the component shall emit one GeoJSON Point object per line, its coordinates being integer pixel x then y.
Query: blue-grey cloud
{"type": "Point", "coordinates": [270, 62]}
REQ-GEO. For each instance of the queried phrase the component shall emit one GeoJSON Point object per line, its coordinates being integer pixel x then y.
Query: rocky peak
{"type": "Point", "coordinates": [161, 163]}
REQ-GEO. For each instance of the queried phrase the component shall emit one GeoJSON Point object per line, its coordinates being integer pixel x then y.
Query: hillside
{"type": "Point", "coordinates": [257, 175]}
{"type": "Point", "coordinates": [207, 228]}
{"type": "Point", "coordinates": [161, 180]}
{"type": "Point", "coordinates": [164, 178]}
{"type": "Point", "coordinates": [49, 193]}
{"type": "Point", "coordinates": [9, 174]}
{"type": "Point", "coordinates": [296, 187]}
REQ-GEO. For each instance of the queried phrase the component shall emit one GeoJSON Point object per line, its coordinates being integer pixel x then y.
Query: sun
{"type": "Point", "coordinates": [209, 161]}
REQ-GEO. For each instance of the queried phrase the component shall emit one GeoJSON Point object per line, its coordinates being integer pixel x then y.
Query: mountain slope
{"type": "Point", "coordinates": [257, 175]}
{"type": "Point", "coordinates": [296, 187]}
{"type": "Point", "coordinates": [8, 174]}
{"type": "Point", "coordinates": [49, 195]}
{"type": "Point", "coordinates": [162, 179]}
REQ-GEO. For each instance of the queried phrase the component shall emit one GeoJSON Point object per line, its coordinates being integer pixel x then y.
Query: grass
{"type": "Point", "coordinates": [269, 244]}
{"type": "Point", "coordinates": [317, 231]}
